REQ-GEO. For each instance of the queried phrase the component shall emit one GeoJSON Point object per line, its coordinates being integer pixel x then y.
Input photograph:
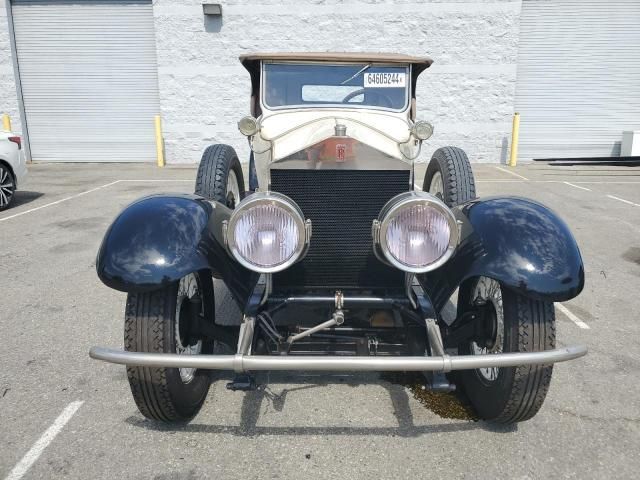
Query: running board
{"type": "Point", "coordinates": [245, 363]}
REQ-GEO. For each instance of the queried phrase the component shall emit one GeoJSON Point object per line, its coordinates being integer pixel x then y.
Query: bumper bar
{"type": "Point", "coordinates": [243, 363]}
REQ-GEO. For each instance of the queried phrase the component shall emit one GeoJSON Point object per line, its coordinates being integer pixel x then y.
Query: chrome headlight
{"type": "Point", "coordinates": [267, 232]}
{"type": "Point", "coordinates": [422, 130]}
{"type": "Point", "coordinates": [248, 126]}
{"type": "Point", "coordinates": [416, 232]}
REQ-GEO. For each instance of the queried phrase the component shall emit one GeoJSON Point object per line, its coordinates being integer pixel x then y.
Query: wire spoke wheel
{"type": "Point", "coordinates": [436, 188]}
{"type": "Point", "coordinates": [189, 298]}
{"type": "Point", "coordinates": [487, 294]}
{"type": "Point", "coordinates": [449, 176]}
{"type": "Point", "coordinates": [220, 176]}
{"type": "Point", "coordinates": [233, 190]}
{"type": "Point", "coordinates": [511, 323]}
{"type": "Point", "coordinates": [162, 321]}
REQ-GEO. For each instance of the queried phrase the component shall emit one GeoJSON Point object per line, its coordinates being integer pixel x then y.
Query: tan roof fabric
{"type": "Point", "coordinates": [252, 60]}
{"type": "Point", "coordinates": [338, 57]}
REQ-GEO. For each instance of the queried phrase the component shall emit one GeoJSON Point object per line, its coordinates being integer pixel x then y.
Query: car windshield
{"type": "Point", "coordinates": [363, 85]}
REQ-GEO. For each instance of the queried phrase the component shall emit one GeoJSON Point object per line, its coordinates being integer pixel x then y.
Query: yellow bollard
{"type": "Point", "coordinates": [159, 142]}
{"type": "Point", "coordinates": [515, 134]}
{"type": "Point", "coordinates": [6, 122]}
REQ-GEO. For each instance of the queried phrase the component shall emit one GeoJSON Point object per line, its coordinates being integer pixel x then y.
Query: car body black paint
{"type": "Point", "coordinates": [517, 241]}
{"type": "Point", "coordinates": [161, 238]}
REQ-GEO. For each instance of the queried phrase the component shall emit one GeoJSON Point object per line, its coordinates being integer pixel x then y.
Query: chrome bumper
{"type": "Point", "coordinates": [243, 363]}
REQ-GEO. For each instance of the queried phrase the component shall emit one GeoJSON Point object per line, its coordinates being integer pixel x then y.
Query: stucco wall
{"type": "Point", "coordinates": [468, 94]}
{"type": "Point", "coordinates": [8, 96]}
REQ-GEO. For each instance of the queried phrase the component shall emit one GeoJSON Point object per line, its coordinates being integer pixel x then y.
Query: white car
{"type": "Point", "coordinates": [13, 167]}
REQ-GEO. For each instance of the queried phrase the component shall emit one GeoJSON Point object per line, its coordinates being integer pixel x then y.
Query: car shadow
{"type": "Point", "coordinates": [23, 197]}
{"type": "Point", "coordinates": [256, 402]}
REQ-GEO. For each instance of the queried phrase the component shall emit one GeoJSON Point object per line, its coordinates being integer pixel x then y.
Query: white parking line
{"type": "Point", "coordinates": [58, 201]}
{"type": "Point", "coordinates": [47, 437]}
{"type": "Point", "coordinates": [577, 186]}
{"type": "Point", "coordinates": [623, 200]}
{"type": "Point", "coordinates": [154, 181]}
{"type": "Point", "coordinates": [417, 187]}
{"type": "Point", "coordinates": [572, 317]}
{"type": "Point", "coordinates": [607, 182]}
{"type": "Point", "coordinates": [84, 193]}
{"type": "Point", "coordinates": [512, 173]}
{"type": "Point", "coordinates": [501, 180]}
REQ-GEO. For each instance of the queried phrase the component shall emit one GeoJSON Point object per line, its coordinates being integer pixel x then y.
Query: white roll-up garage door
{"type": "Point", "coordinates": [89, 78]}
{"type": "Point", "coordinates": [578, 85]}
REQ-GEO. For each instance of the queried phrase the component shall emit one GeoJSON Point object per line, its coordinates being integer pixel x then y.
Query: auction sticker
{"type": "Point", "coordinates": [385, 80]}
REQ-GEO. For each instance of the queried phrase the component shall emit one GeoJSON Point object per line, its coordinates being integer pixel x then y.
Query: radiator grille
{"type": "Point", "coordinates": [341, 205]}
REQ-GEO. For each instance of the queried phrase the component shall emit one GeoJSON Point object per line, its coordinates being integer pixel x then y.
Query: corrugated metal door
{"type": "Point", "coordinates": [578, 82]}
{"type": "Point", "coordinates": [89, 79]}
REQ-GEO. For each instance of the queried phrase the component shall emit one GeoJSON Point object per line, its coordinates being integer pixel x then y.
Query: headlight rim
{"type": "Point", "coordinates": [398, 204]}
{"type": "Point", "coordinates": [282, 201]}
{"type": "Point", "coordinates": [254, 129]}
{"type": "Point", "coordinates": [415, 128]}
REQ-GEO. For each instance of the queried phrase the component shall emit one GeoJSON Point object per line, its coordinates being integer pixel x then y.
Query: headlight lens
{"type": "Point", "coordinates": [267, 232]}
{"type": "Point", "coordinates": [248, 126]}
{"type": "Point", "coordinates": [422, 130]}
{"type": "Point", "coordinates": [417, 232]}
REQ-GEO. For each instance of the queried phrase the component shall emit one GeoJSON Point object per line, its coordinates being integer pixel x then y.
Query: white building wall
{"type": "Point", "coordinates": [468, 93]}
{"type": "Point", "coordinates": [8, 96]}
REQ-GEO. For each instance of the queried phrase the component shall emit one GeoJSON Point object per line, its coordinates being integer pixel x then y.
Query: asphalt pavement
{"type": "Point", "coordinates": [63, 415]}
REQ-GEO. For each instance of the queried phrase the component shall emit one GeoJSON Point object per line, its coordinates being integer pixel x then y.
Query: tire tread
{"type": "Point", "coordinates": [211, 180]}
{"type": "Point", "coordinates": [457, 175]}
{"type": "Point", "coordinates": [144, 332]}
{"type": "Point", "coordinates": [536, 332]}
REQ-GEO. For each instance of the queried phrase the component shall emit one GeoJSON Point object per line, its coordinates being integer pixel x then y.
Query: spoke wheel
{"type": "Point", "coordinates": [189, 298]}
{"type": "Point", "coordinates": [233, 190]}
{"type": "Point", "coordinates": [449, 176]}
{"type": "Point", "coordinates": [487, 294]}
{"type": "Point", "coordinates": [510, 323]}
{"type": "Point", "coordinates": [220, 176]}
{"type": "Point", "coordinates": [160, 322]}
{"type": "Point", "coordinates": [436, 188]}
{"type": "Point", "coordinates": [7, 187]}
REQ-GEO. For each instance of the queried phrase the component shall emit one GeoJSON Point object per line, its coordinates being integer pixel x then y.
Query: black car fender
{"type": "Point", "coordinates": [517, 241]}
{"type": "Point", "coordinates": [161, 238]}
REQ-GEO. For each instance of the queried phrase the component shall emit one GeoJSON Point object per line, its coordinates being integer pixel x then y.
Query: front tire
{"type": "Point", "coordinates": [449, 176]}
{"type": "Point", "coordinates": [158, 322]}
{"type": "Point", "coordinates": [516, 324]}
{"type": "Point", "coordinates": [220, 176]}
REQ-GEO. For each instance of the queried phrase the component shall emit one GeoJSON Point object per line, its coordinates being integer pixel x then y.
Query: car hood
{"type": "Point", "coordinates": [291, 131]}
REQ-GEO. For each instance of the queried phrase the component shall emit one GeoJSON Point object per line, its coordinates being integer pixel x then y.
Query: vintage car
{"type": "Point", "coordinates": [336, 259]}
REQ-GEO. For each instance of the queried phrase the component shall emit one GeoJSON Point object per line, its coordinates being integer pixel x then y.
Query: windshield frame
{"type": "Point", "coordinates": [307, 106]}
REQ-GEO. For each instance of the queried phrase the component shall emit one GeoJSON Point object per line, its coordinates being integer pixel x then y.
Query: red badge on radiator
{"type": "Point", "coordinates": [341, 149]}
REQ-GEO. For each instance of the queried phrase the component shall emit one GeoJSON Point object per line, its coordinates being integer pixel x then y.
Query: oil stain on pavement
{"type": "Point", "coordinates": [452, 405]}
